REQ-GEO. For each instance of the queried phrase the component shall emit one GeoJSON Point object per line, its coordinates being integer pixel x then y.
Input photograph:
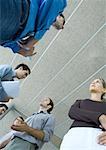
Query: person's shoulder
{"type": "Point", "coordinates": [51, 116]}
{"type": "Point", "coordinates": [82, 99]}
{"type": "Point", "coordinates": [79, 100]}
{"type": "Point", "coordinates": [87, 100]}
{"type": "Point", "coordinates": [5, 68]}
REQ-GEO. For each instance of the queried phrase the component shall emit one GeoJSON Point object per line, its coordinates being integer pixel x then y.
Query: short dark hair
{"type": "Point", "coordinates": [52, 106]}
{"type": "Point", "coordinates": [104, 86]}
{"type": "Point", "coordinates": [63, 18]}
{"type": "Point", "coordinates": [24, 66]}
{"type": "Point", "coordinates": [4, 105]}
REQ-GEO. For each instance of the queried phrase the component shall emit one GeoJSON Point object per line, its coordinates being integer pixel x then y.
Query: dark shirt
{"type": "Point", "coordinates": [86, 113]}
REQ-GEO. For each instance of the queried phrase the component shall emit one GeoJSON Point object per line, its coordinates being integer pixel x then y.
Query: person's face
{"type": "Point", "coordinates": [96, 86]}
{"type": "Point", "coordinates": [18, 121]}
{"type": "Point", "coordinates": [44, 103]}
{"type": "Point", "coordinates": [58, 24]}
{"type": "Point", "coordinates": [21, 74]}
{"type": "Point", "coordinates": [2, 110]}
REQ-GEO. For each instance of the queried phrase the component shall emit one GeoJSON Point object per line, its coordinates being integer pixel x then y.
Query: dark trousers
{"type": "Point", "coordinates": [12, 16]}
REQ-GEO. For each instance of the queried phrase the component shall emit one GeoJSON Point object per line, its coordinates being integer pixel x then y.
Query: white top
{"type": "Point", "coordinates": [11, 88]}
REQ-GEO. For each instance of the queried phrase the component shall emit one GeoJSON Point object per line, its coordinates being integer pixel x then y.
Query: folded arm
{"type": "Point", "coordinates": [3, 144]}
{"type": "Point", "coordinates": [4, 71]}
{"type": "Point", "coordinates": [80, 114]}
{"type": "Point", "coordinates": [41, 134]}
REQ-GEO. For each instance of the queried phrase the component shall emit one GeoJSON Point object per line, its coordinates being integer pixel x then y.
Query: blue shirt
{"type": "Point", "coordinates": [41, 121]}
{"type": "Point", "coordinates": [42, 14]}
{"type": "Point", "coordinates": [6, 74]}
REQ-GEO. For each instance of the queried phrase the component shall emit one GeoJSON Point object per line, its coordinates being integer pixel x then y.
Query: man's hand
{"type": "Point", "coordinates": [102, 138]}
{"type": "Point", "coordinates": [27, 52]}
{"type": "Point", "coordinates": [28, 48]}
{"type": "Point", "coordinates": [23, 127]}
{"type": "Point", "coordinates": [102, 120]}
{"type": "Point", "coordinates": [39, 134]}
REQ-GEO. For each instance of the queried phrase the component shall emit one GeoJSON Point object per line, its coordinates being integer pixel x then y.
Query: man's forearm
{"type": "Point", "coordinates": [23, 127]}
{"type": "Point", "coordinates": [3, 144]}
{"type": "Point", "coordinates": [39, 134]}
{"type": "Point", "coordinates": [3, 94]}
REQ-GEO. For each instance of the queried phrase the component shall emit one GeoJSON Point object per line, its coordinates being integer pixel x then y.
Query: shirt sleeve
{"type": "Point", "coordinates": [80, 114]}
{"type": "Point", "coordinates": [49, 129]}
{"type": "Point", "coordinates": [13, 45]}
{"type": "Point", "coordinates": [39, 34]}
{"type": "Point", "coordinates": [47, 14]}
{"type": "Point", "coordinates": [4, 70]}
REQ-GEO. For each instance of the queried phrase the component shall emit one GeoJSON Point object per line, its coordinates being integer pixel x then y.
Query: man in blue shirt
{"type": "Point", "coordinates": [23, 23]}
{"type": "Point", "coordinates": [8, 74]}
{"type": "Point", "coordinates": [36, 130]}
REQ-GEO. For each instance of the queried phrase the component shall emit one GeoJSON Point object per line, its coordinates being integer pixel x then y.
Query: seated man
{"type": "Point", "coordinates": [8, 74]}
{"type": "Point", "coordinates": [3, 108]}
{"type": "Point", "coordinates": [28, 21]}
{"type": "Point", "coordinates": [36, 130]}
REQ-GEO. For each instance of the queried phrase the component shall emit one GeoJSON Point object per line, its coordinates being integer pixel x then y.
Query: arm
{"type": "Point", "coordinates": [24, 50]}
{"type": "Point", "coordinates": [28, 49]}
{"type": "Point", "coordinates": [48, 11]}
{"type": "Point", "coordinates": [43, 134]}
{"type": "Point", "coordinates": [4, 71]}
{"type": "Point", "coordinates": [49, 129]}
{"type": "Point", "coordinates": [6, 139]}
{"type": "Point", "coordinates": [80, 114]}
{"type": "Point", "coordinates": [39, 134]}
{"type": "Point", "coordinates": [31, 131]}
{"type": "Point", "coordinates": [3, 144]}
{"type": "Point", "coordinates": [102, 120]}
{"type": "Point", "coordinates": [46, 133]}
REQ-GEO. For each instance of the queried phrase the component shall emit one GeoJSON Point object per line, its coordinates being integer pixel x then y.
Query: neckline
{"type": "Point", "coordinates": [95, 101]}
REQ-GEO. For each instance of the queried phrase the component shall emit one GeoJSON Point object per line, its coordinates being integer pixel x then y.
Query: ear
{"type": "Point", "coordinates": [21, 68]}
{"type": "Point", "coordinates": [62, 27]}
{"type": "Point", "coordinates": [49, 106]}
{"type": "Point", "coordinates": [104, 90]}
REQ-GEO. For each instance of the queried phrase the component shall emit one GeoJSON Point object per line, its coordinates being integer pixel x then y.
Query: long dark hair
{"type": "Point", "coordinates": [104, 86]}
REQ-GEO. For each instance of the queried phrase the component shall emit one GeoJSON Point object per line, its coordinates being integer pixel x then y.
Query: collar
{"type": "Point", "coordinates": [40, 112]}
{"type": "Point", "coordinates": [14, 74]}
